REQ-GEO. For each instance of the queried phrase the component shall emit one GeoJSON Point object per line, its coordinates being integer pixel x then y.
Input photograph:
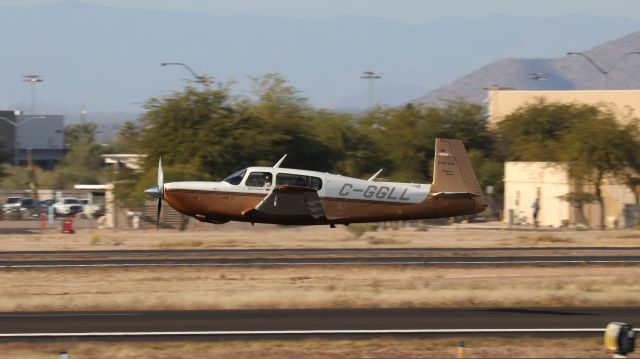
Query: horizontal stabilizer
{"type": "Point", "coordinates": [438, 195]}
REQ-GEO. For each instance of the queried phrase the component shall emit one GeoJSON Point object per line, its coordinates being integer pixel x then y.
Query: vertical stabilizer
{"type": "Point", "coordinates": [452, 171]}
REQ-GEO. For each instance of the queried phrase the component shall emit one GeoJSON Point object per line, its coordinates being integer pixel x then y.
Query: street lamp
{"type": "Point", "coordinates": [371, 76]}
{"type": "Point", "coordinates": [33, 80]}
{"type": "Point", "coordinates": [83, 114]}
{"type": "Point", "coordinates": [16, 144]}
{"type": "Point", "coordinates": [538, 76]}
{"type": "Point", "coordinates": [204, 80]}
{"type": "Point", "coordinates": [605, 73]}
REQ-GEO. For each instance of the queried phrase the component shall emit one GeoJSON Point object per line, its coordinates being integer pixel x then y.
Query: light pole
{"type": "Point", "coordinates": [16, 144]}
{"type": "Point", "coordinates": [605, 73]}
{"type": "Point", "coordinates": [33, 80]}
{"type": "Point", "coordinates": [371, 76]}
{"type": "Point", "coordinates": [203, 80]}
{"type": "Point", "coordinates": [83, 114]}
{"type": "Point", "coordinates": [538, 76]}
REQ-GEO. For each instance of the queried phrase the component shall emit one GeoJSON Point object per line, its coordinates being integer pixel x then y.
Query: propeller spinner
{"type": "Point", "coordinates": [158, 192]}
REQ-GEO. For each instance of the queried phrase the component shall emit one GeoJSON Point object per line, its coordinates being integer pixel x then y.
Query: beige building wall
{"type": "Point", "coordinates": [504, 102]}
{"type": "Point", "coordinates": [615, 197]}
{"type": "Point", "coordinates": [526, 181]}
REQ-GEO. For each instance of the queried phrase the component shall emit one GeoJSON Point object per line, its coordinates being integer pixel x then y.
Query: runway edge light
{"type": "Point", "coordinates": [619, 338]}
{"type": "Point", "coordinates": [461, 349]}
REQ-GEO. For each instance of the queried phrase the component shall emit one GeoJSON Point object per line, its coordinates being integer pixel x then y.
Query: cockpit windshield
{"type": "Point", "coordinates": [236, 178]}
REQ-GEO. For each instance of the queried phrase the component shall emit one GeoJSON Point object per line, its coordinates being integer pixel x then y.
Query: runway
{"type": "Point", "coordinates": [314, 251]}
{"type": "Point", "coordinates": [323, 257]}
{"type": "Point", "coordinates": [498, 321]}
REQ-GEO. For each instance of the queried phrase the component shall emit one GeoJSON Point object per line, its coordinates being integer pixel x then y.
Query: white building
{"type": "Point", "coordinates": [526, 181]}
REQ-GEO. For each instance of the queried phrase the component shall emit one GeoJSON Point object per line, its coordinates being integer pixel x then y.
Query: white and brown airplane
{"type": "Point", "coordinates": [298, 197]}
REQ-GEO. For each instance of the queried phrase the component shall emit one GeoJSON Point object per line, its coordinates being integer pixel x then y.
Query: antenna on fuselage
{"type": "Point", "coordinates": [280, 162]}
{"type": "Point", "coordinates": [373, 178]}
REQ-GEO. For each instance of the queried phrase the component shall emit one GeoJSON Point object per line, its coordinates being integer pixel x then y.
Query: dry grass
{"type": "Point", "coordinates": [315, 348]}
{"type": "Point", "coordinates": [180, 244]}
{"type": "Point", "coordinates": [632, 235]}
{"type": "Point", "coordinates": [315, 287]}
{"type": "Point", "coordinates": [543, 238]}
{"type": "Point", "coordinates": [385, 241]}
{"type": "Point", "coordinates": [267, 236]}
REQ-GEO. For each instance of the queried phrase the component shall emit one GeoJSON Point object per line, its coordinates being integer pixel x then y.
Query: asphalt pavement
{"type": "Point", "coordinates": [319, 257]}
{"type": "Point", "coordinates": [300, 321]}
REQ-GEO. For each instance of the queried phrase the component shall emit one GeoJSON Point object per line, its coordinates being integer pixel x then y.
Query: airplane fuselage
{"type": "Point", "coordinates": [343, 200]}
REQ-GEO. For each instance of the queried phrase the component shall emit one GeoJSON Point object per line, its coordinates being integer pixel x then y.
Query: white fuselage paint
{"type": "Point", "coordinates": [333, 186]}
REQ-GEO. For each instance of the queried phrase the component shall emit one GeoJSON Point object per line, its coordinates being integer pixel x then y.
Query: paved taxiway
{"type": "Point", "coordinates": [590, 320]}
{"type": "Point", "coordinates": [306, 257]}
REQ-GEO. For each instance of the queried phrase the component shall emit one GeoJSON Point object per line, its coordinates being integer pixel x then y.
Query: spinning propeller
{"type": "Point", "coordinates": [158, 192]}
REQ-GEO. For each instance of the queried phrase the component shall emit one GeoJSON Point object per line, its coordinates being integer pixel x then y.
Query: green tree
{"type": "Point", "coordinates": [127, 139]}
{"type": "Point", "coordinates": [405, 139]}
{"type": "Point", "coordinates": [3, 158]}
{"type": "Point", "coordinates": [533, 132]}
{"type": "Point", "coordinates": [207, 134]}
{"type": "Point", "coordinates": [313, 139]}
{"type": "Point", "coordinates": [600, 147]}
{"type": "Point", "coordinates": [80, 133]}
{"type": "Point", "coordinates": [82, 163]}
{"type": "Point", "coordinates": [200, 134]}
{"type": "Point", "coordinates": [590, 140]}
{"type": "Point", "coordinates": [578, 200]}
{"type": "Point", "coordinates": [203, 132]}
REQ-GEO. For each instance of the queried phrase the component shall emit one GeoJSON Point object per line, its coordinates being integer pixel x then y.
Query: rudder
{"type": "Point", "coordinates": [452, 170]}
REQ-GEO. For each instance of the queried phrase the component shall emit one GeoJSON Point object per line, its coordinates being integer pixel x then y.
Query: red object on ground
{"type": "Point", "coordinates": [43, 220]}
{"type": "Point", "coordinates": [67, 225]}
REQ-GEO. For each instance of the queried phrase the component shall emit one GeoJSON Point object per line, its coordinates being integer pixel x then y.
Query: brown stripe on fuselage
{"type": "Point", "coordinates": [230, 205]}
{"type": "Point", "coordinates": [237, 206]}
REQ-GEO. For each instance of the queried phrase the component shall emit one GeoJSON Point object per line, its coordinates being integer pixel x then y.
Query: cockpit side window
{"type": "Point", "coordinates": [299, 180]}
{"type": "Point", "coordinates": [236, 178]}
{"type": "Point", "coordinates": [259, 179]}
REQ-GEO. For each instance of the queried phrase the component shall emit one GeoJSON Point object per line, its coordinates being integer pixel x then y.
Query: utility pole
{"type": "Point", "coordinates": [371, 76]}
{"type": "Point", "coordinates": [33, 80]}
{"type": "Point", "coordinates": [601, 70]}
{"type": "Point", "coordinates": [203, 80]}
{"type": "Point", "coordinates": [83, 114]}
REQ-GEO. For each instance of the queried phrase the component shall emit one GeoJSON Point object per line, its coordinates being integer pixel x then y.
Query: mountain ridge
{"type": "Point", "coordinates": [562, 73]}
{"type": "Point", "coordinates": [108, 58]}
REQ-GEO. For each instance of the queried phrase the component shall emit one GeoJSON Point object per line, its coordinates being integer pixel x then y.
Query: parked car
{"type": "Point", "coordinates": [46, 204]}
{"type": "Point", "coordinates": [11, 203]}
{"type": "Point", "coordinates": [27, 205]}
{"type": "Point", "coordinates": [66, 206]}
{"type": "Point", "coordinates": [91, 209]}
{"type": "Point", "coordinates": [21, 205]}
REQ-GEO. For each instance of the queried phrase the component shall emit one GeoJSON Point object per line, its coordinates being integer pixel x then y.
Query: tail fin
{"type": "Point", "coordinates": [452, 171]}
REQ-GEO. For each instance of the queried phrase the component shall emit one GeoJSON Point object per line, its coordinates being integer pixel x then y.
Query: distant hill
{"type": "Point", "coordinates": [563, 73]}
{"type": "Point", "coordinates": [109, 58]}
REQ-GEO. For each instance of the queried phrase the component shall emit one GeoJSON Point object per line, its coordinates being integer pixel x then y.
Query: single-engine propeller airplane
{"type": "Point", "coordinates": [298, 197]}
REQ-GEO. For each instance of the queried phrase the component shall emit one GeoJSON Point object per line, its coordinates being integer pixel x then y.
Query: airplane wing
{"type": "Point", "coordinates": [287, 200]}
{"type": "Point", "coordinates": [439, 195]}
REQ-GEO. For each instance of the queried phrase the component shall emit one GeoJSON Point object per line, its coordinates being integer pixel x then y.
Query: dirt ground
{"type": "Point", "coordinates": [190, 288]}
{"type": "Point", "coordinates": [315, 287]}
{"type": "Point", "coordinates": [475, 347]}
{"type": "Point", "coordinates": [236, 235]}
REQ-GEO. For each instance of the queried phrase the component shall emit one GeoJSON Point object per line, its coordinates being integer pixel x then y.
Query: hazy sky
{"type": "Point", "coordinates": [413, 11]}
